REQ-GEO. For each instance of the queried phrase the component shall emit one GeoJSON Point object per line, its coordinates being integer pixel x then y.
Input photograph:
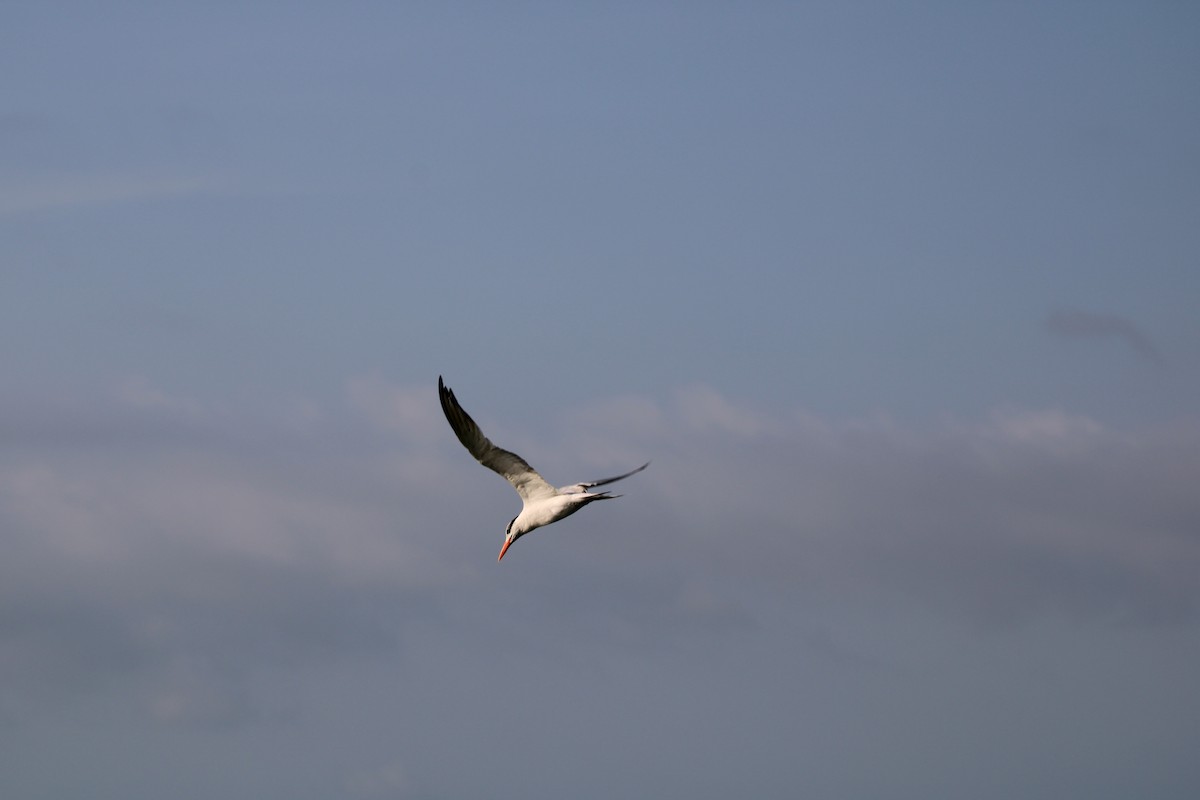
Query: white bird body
{"type": "Point", "coordinates": [551, 509]}
{"type": "Point", "coordinates": [541, 503]}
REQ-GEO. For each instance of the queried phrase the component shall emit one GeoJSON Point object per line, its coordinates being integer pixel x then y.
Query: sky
{"type": "Point", "coordinates": [898, 299]}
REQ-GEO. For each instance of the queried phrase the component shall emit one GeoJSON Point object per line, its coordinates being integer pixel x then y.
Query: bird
{"type": "Point", "coordinates": [542, 504]}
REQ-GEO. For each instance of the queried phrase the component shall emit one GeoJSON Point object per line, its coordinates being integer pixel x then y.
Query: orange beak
{"type": "Point", "coordinates": [507, 542]}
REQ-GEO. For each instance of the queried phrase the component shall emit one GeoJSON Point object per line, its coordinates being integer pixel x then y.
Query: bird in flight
{"type": "Point", "coordinates": [541, 502]}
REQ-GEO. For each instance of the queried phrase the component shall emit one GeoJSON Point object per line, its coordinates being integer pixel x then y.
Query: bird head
{"type": "Point", "coordinates": [511, 534]}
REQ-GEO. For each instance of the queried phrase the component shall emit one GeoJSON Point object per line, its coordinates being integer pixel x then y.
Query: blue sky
{"type": "Point", "coordinates": [900, 300]}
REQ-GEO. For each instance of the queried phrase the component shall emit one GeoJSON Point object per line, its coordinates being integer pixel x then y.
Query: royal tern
{"type": "Point", "coordinates": [541, 502]}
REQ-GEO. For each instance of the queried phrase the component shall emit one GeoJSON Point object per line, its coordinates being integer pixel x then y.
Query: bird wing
{"type": "Point", "coordinates": [514, 469]}
{"type": "Point", "coordinates": [583, 487]}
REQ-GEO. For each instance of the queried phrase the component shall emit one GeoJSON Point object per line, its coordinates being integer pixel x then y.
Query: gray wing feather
{"type": "Point", "coordinates": [514, 469]}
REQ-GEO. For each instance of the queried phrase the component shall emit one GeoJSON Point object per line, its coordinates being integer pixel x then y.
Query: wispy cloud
{"type": "Point", "coordinates": [75, 191]}
{"type": "Point", "coordinates": [138, 392]}
{"type": "Point", "coordinates": [1076, 324]}
{"type": "Point", "coordinates": [403, 410]}
{"type": "Point", "coordinates": [389, 780]}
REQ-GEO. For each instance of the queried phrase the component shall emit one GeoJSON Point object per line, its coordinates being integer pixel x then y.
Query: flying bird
{"type": "Point", "coordinates": [541, 502]}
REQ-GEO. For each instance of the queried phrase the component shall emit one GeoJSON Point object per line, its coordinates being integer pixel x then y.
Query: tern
{"type": "Point", "coordinates": [542, 504]}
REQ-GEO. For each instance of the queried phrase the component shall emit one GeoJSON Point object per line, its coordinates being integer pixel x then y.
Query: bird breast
{"type": "Point", "coordinates": [550, 509]}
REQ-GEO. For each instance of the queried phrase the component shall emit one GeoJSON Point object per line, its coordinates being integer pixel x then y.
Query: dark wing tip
{"type": "Point", "coordinates": [615, 478]}
{"type": "Point", "coordinates": [446, 395]}
{"type": "Point", "coordinates": [460, 421]}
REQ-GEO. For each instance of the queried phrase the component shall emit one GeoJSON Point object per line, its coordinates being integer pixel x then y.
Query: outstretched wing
{"type": "Point", "coordinates": [514, 469]}
{"type": "Point", "coordinates": [583, 487]}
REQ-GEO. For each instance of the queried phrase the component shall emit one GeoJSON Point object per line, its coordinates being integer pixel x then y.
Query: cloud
{"type": "Point", "coordinates": [703, 409]}
{"type": "Point", "coordinates": [74, 191]}
{"type": "Point", "coordinates": [397, 409]}
{"type": "Point", "coordinates": [177, 571]}
{"type": "Point", "coordinates": [1074, 324]}
{"type": "Point", "coordinates": [1023, 514]}
{"type": "Point", "coordinates": [389, 780]}
{"type": "Point", "coordinates": [139, 393]}
{"type": "Point", "coordinates": [148, 546]}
